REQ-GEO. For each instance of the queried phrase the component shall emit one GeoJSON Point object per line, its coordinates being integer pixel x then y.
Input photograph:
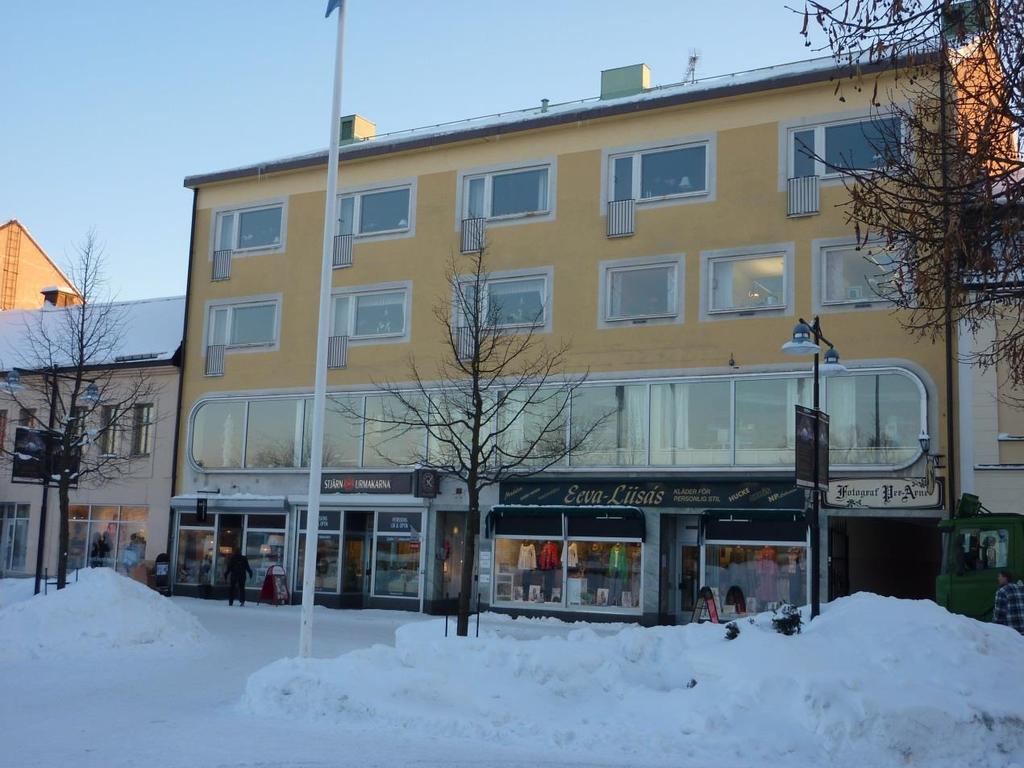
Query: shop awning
{"type": "Point", "coordinates": [610, 522]}
{"type": "Point", "coordinates": [755, 525]}
{"type": "Point", "coordinates": [186, 502]}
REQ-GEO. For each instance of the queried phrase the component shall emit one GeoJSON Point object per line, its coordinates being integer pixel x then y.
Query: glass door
{"type": "Point", "coordinates": [358, 551]}
{"type": "Point", "coordinates": [229, 541]}
{"type": "Point", "coordinates": [689, 581]}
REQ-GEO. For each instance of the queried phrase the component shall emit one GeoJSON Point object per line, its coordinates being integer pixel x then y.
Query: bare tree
{"type": "Point", "coordinates": [495, 403]}
{"type": "Point", "coordinates": [66, 364]}
{"type": "Point", "coordinates": [948, 196]}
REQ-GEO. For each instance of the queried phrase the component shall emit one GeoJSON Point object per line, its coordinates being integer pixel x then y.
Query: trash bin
{"type": "Point", "coordinates": [162, 573]}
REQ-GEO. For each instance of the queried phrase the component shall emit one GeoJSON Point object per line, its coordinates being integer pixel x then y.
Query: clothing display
{"type": "Point", "coordinates": [767, 576]}
{"type": "Point", "coordinates": [618, 567]}
{"type": "Point", "coordinates": [573, 558]}
{"type": "Point", "coordinates": [549, 559]}
{"type": "Point", "coordinates": [527, 557]}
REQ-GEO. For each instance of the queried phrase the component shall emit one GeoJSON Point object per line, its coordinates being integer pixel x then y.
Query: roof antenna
{"type": "Point", "coordinates": [691, 66]}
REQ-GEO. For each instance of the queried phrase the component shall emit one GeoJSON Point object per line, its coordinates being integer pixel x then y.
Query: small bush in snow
{"type": "Point", "coordinates": [732, 631]}
{"type": "Point", "coordinates": [787, 620]}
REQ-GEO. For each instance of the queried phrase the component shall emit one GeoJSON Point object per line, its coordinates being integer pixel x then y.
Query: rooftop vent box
{"type": "Point", "coordinates": [625, 81]}
{"type": "Point", "coordinates": [356, 128]}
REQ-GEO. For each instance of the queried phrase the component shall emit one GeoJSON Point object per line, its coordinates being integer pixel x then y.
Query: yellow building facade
{"type": "Point", "coordinates": [672, 236]}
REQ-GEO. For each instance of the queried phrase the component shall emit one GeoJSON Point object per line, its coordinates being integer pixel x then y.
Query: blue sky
{"type": "Point", "coordinates": [109, 104]}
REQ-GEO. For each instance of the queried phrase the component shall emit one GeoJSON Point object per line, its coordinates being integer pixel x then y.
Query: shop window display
{"type": "Point", "coordinates": [328, 562]}
{"type": "Point", "coordinates": [263, 549]}
{"type": "Point", "coordinates": [195, 556]}
{"type": "Point", "coordinates": [752, 578]}
{"type": "Point", "coordinates": [398, 566]}
{"type": "Point", "coordinates": [528, 570]}
{"type": "Point", "coordinates": [107, 537]}
{"type": "Point", "coordinates": [603, 574]}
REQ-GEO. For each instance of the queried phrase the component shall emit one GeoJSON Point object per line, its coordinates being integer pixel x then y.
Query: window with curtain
{"type": "Point", "coordinates": [240, 325]}
{"type": "Point", "coordinates": [854, 275]}
{"type": "Point", "coordinates": [690, 424]}
{"type": "Point", "coordinates": [528, 419]}
{"type": "Point", "coordinates": [374, 212]}
{"type": "Point", "coordinates": [875, 419]}
{"type": "Point", "coordinates": [614, 418]}
{"type": "Point", "coordinates": [641, 291]}
{"type": "Point", "coordinates": [765, 420]}
{"type": "Point", "coordinates": [370, 315]}
{"type": "Point", "coordinates": [747, 282]}
{"type": "Point", "coordinates": [250, 229]}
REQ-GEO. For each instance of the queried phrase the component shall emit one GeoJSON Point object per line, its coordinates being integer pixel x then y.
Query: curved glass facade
{"type": "Point", "coordinates": [722, 421]}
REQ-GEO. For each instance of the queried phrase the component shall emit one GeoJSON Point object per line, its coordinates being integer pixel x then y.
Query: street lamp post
{"type": "Point", "coordinates": [807, 339]}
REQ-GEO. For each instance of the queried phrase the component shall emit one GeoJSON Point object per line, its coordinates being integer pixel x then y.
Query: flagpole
{"type": "Point", "coordinates": [316, 456]}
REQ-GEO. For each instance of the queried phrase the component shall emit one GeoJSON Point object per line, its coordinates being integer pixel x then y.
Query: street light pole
{"type": "Point", "coordinates": [316, 453]}
{"type": "Point", "coordinates": [807, 338]}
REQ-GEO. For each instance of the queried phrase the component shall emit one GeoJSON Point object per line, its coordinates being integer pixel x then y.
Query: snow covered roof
{"type": "Point", "coordinates": [150, 331]}
{"type": "Point", "coordinates": [720, 86]}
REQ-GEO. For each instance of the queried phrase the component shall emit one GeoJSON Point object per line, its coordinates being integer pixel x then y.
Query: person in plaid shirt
{"type": "Point", "coordinates": [1009, 607]}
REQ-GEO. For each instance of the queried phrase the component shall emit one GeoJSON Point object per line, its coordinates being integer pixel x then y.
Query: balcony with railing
{"type": "Point", "coordinates": [215, 360]}
{"type": "Point", "coordinates": [464, 346]}
{"type": "Point", "coordinates": [621, 218]}
{"type": "Point", "coordinates": [803, 196]}
{"type": "Point", "coordinates": [473, 235]}
{"type": "Point", "coordinates": [337, 351]}
{"type": "Point", "coordinates": [221, 265]}
{"type": "Point", "coordinates": [342, 255]}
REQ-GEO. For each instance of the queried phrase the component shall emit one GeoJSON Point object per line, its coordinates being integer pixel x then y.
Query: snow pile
{"type": "Point", "coordinates": [15, 591]}
{"type": "Point", "coordinates": [101, 611]}
{"type": "Point", "coordinates": [874, 681]}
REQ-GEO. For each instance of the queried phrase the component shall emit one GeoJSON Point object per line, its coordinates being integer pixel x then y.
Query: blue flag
{"type": "Point", "coordinates": [331, 5]}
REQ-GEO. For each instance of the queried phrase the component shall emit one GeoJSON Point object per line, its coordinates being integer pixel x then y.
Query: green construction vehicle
{"type": "Point", "coordinates": [976, 545]}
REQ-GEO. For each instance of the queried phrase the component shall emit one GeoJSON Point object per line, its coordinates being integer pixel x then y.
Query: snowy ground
{"type": "Point", "coordinates": [142, 680]}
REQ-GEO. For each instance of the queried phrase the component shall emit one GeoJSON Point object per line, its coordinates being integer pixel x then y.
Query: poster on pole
{"type": "Point", "coordinates": [809, 422]}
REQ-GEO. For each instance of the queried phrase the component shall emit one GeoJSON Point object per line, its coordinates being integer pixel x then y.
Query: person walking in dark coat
{"type": "Point", "coordinates": [238, 570]}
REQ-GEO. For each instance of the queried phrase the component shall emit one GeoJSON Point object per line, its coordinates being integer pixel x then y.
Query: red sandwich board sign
{"type": "Point", "coordinates": [275, 587]}
{"type": "Point", "coordinates": [705, 609]}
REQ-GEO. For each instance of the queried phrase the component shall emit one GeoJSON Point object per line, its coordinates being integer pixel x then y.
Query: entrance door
{"type": "Point", "coordinates": [357, 558]}
{"type": "Point", "coordinates": [452, 531]}
{"type": "Point", "coordinates": [689, 581]}
{"type": "Point", "coordinates": [838, 559]}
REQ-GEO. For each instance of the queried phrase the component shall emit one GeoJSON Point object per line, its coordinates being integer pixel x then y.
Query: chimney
{"type": "Point", "coordinates": [356, 128]}
{"type": "Point", "coordinates": [55, 296]}
{"type": "Point", "coordinates": [625, 81]}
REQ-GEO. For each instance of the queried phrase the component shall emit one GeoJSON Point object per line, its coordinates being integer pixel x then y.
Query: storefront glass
{"type": "Point", "coordinates": [386, 444]}
{"type": "Point", "coordinates": [752, 578]}
{"type": "Point", "coordinates": [342, 431]}
{"type": "Point", "coordinates": [603, 574]}
{"type": "Point", "coordinates": [107, 537]}
{"type": "Point", "coordinates": [398, 567]}
{"type": "Point", "coordinates": [14, 537]}
{"type": "Point", "coordinates": [195, 556]}
{"type": "Point", "coordinates": [528, 571]}
{"type": "Point", "coordinates": [397, 554]}
{"type": "Point", "coordinates": [229, 541]}
{"type": "Point", "coordinates": [263, 549]}
{"type": "Point", "coordinates": [328, 562]}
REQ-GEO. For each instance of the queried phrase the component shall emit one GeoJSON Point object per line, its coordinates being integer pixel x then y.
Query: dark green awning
{"type": "Point", "coordinates": [581, 521]}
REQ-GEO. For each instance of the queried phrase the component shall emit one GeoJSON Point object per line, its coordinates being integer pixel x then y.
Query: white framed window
{"type": "Point", "coordinates": [372, 313]}
{"type": "Point", "coordinates": [142, 429]}
{"type": "Point", "coordinates": [381, 211]}
{"type": "Point", "coordinates": [256, 228]}
{"type": "Point", "coordinates": [831, 148]}
{"type": "Point", "coordinates": [641, 290]}
{"type": "Point", "coordinates": [507, 194]}
{"type": "Point", "coordinates": [660, 173]}
{"type": "Point", "coordinates": [747, 280]}
{"type": "Point", "coordinates": [249, 324]}
{"type": "Point", "coordinates": [520, 299]}
{"type": "Point", "coordinates": [857, 275]}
